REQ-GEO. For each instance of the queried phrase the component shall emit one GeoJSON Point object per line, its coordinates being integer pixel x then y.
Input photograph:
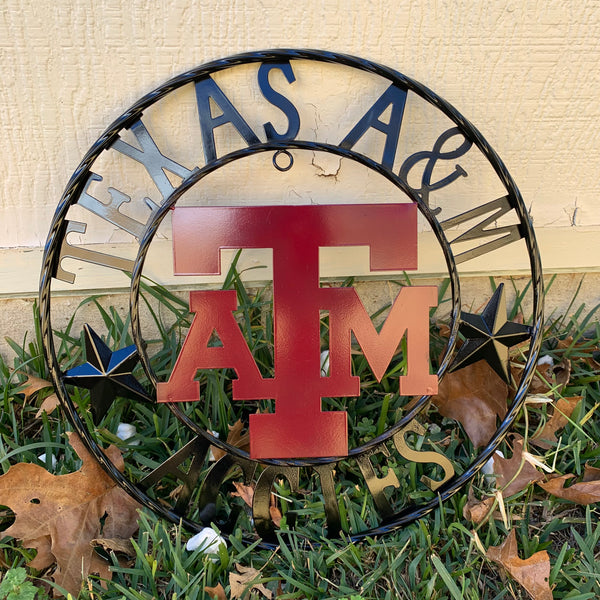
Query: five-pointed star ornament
{"type": "Point", "coordinates": [489, 336]}
{"type": "Point", "coordinates": [106, 374]}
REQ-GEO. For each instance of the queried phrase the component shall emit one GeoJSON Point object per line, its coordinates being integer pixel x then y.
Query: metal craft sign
{"type": "Point", "coordinates": [234, 156]}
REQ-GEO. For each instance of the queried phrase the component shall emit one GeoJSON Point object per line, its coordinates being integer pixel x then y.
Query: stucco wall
{"type": "Point", "coordinates": [526, 73]}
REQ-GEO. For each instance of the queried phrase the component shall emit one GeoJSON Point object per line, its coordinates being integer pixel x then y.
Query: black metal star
{"type": "Point", "coordinates": [106, 374]}
{"type": "Point", "coordinates": [489, 336]}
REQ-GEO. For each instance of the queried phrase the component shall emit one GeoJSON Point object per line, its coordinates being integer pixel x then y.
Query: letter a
{"type": "Point", "coordinates": [214, 312]}
{"type": "Point", "coordinates": [205, 90]}
{"type": "Point", "coordinates": [397, 98]}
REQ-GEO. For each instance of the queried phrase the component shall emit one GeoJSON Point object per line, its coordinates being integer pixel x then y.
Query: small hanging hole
{"type": "Point", "coordinates": [279, 166]}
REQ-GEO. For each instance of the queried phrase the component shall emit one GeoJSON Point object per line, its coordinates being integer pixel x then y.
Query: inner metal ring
{"type": "Point", "coordinates": [197, 176]}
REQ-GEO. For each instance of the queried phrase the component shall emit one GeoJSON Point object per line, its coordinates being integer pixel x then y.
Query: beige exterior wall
{"type": "Point", "coordinates": [526, 73]}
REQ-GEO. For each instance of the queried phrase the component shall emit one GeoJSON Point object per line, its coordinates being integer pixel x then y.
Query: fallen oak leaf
{"type": "Point", "coordinates": [275, 513]}
{"type": "Point", "coordinates": [59, 515]}
{"type": "Point", "coordinates": [44, 557]}
{"type": "Point", "coordinates": [479, 511]}
{"type": "Point", "coordinates": [122, 546]}
{"type": "Point", "coordinates": [532, 573]}
{"type": "Point", "coordinates": [584, 492]}
{"type": "Point", "coordinates": [475, 396]}
{"type": "Point", "coordinates": [246, 493]}
{"type": "Point", "coordinates": [476, 510]}
{"type": "Point", "coordinates": [236, 438]}
{"type": "Point", "coordinates": [566, 343]}
{"type": "Point", "coordinates": [443, 330]}
{"type": "Point", "coordinates": [583, 346]}
{"type": "Point", "coordinates": [586, 350]}
{"type": "Point", "coordinates": [33, 385]}
{"type": "Point", "coordinates": [550, 377]}
{"type": "Point", "coordinates": [563, 409]}
{"type": "Point", "coordinates": [217, 592]}
{"type": "Point", "coordinates": [591, 473]}
{"type": "Point", "coordinates": [48, 405]}
{"type": "Point", "coordinates": [516, 473]}
{"type": "Point", "coordinates": [241, 582]}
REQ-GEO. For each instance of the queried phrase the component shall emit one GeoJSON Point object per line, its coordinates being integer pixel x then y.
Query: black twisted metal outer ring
{"type": "Point", "coordinates": [78, 180]}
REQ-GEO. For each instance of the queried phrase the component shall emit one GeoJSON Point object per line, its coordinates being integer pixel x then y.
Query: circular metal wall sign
{"type": "Point", "coordinates": [287, 399]}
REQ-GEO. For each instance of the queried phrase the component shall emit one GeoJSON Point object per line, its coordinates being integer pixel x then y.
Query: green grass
{"type": "Point", "coordinates": [437, 557]}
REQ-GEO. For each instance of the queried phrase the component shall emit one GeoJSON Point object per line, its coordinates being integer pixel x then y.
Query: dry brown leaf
{"type": "Point", "coordinates": [566, 343]}
{"type": "Point", "coordinates": [514, 474]}
{"type": "Point", "coordinates": [549, 377]}
{"type": "Point", "coordinates": [532, 573]}
{"type": "Point", "coordinates": [585, 492]}
{"type": "Point", "coordinates": [236, 438]}
{"type": "Point", "coordinates": [475, 396]}
{"type": "Point", "coordinates": [519, 318]}
{"type": "Point", "coordinates": [275, 513]}
{"type": "Point", "coordinates": [241, 582]}
{"type": "Point", "coordinates": [443, 330]}
{"type": "Point", "coordinates": [477, 510]}
{"type": "Point", "coordinates": [33, 385]}
{"type": "Point", "coordinates": [116, 545]}
{"type": "Point", "coordinates": [48, 405]}
{"type": "Point", "coordinates": [591, 473]}
{"type": "Point", "coordinates": [59, 515]}
{"type": "Point", "coordinates": [592, 360]}
{"type": "Point", "coordinates": [245, 492]}
{"type": "Point", "coordinates": [563, 409]}
{"type": "Point", "coordinates": [217, 593]}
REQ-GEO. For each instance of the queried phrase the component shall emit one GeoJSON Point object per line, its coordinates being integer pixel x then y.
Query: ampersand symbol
{"type": "Point", "coordinates": [432, 157]}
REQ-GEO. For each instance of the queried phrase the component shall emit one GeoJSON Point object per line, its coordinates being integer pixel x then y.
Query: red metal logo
{"type": "Point", "coordinates": [299, 427]}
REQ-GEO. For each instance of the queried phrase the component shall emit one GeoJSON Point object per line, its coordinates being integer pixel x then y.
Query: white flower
{"type": "Point", "coordinates": [211, 456]}
{"type": "Point", "coordinates": [325, 363]}
{"type": "Point", "coordinates": [126, 431]}
{"type": "Point", "coordinates": [488, 468]}
{"type": "Point", "coordinates": [546, 360]}
{"type": "Point", "coordinates": [208, 542]}
{"type": "Point", "coordinates": [42, 458]}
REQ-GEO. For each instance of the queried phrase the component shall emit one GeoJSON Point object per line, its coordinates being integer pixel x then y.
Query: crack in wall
{"type": "Point", "coordinates": [327, 170]}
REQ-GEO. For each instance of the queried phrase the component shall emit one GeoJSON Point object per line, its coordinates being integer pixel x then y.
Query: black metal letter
{"type": "Point", "coordinates": [422, 456]}
{"type": "Point", "coordinates": [509, 233]}
{"type": "Point", "coordinates": [151, 157]}
{"type": "Point", "coordinates": [197, 449]}
{"type": "Point", "coordinates": [432, 158]}
{"type": "Point", "coordinates": [397, 98]}
{"type": "Point", "coordinates": [85, 254]}
{"type": "Point", "coordinates": [110, 212]}
{"type": "Point", "coordinates": [207, 89]}
{"type": "Point", "coordinates": [262, 497]}
{"type": "Point", "coordinates": [376, 484]}
{"type": "Point", "coordinates": [214, 480]}
{"type": "Point", "coordinates": [279, 101]}
{"type": "Point", "coordinates": [332, 510]}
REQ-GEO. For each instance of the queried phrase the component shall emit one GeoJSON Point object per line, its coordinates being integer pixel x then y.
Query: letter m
{"type": "Point", "coordinates": [409, 316]}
